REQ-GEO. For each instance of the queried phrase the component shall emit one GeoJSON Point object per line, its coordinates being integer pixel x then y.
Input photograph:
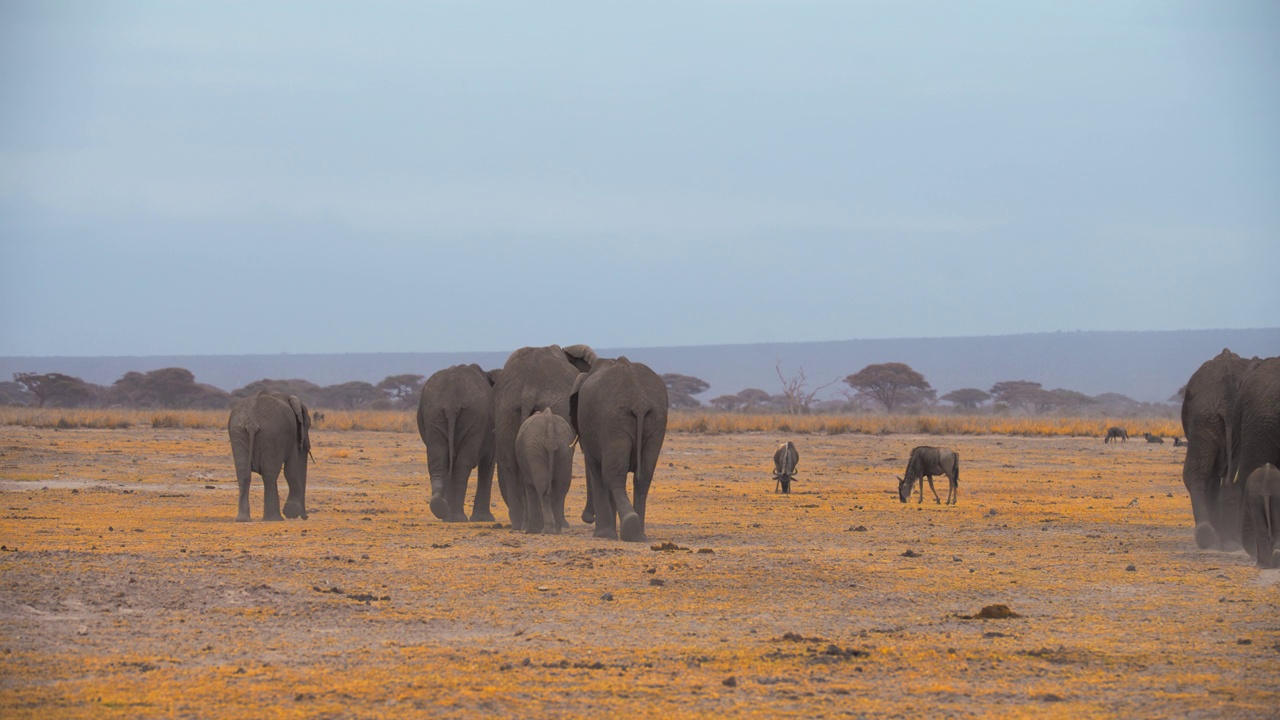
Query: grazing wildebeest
{"type": "Point", "coordinates": [1153, 438]}
{"type": "Point", "coordinates": [1262, 513]}
{"type": "Point", "coordinates": [1116, 433]}
{"type": "Point", "coordinates": [926, 462]}
{"type": "Point", "coordinates": [784, 466]}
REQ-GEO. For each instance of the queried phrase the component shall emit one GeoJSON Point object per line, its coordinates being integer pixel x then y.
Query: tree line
{"type": "Point", "coordinates": [888, 387]}
{"type": "Point", "coordinates": [176, 388]}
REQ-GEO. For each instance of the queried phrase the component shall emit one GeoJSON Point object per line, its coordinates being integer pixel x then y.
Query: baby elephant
{"type": "Point", "coordinates": [784, 466]}
{"type": "Point", "coordinates": [1262, 508]}
{"type": "Point", "coordinates": [544, 453]}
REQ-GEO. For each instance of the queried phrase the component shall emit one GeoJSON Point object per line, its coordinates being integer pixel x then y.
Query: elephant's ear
{"type": "Point", "coordinates": [493, 376]}
{"type": "Point", "coordinates": [573, 403]}
{"type": "Point", "coordinates": [303, 420]}
{"type": "Point", "coordinates": [580, 356]}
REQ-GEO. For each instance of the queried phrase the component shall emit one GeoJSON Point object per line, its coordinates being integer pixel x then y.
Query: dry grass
{"type": "Point", "coordinates": [727, 423]}
{"type": "Point", "coordinates": [128, 590]}
{"type": "Point", "coordinates": [712, 423]}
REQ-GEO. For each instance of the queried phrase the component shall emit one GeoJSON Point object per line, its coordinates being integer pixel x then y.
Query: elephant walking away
{"type": "Point", "coordinates": [619, 409]}
{"type": "Point", "coordinates": [271, 432]}
{"type": "Point", "coordinates": [784, 466]}
{"type": "Point", "coordinates": [1262, 514]}
{"type": "Point", "coordinates": [1255, 433]}
{"type": "Point", "coordinates": [455, 422]}
{"type": "Point", "coordinates": [1207, 408]}
{"type": "Point", "coordinates": [1116, 433]}
{"type": "Point", "coordinates": [544, 452]}
{"type": "Point", "coordinates": [925, 462]}
{"type": "Point", "coordinates": [533, 379]}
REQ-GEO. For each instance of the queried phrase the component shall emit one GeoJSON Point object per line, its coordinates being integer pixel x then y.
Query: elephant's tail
{"type": "Point", "coordinates": [450, 420]}
{"type": "Point", "coordinates": [252, 431]}
{"type": "Point", "coordinates": [639, 445]}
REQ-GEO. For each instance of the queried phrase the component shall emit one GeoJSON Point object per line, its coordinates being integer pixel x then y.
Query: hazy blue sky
{"type": "Point", "coordinates": [421, 176]}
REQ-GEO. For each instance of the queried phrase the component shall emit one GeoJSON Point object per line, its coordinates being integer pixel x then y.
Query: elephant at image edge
{"type": "Point", "coordinates": [619, 410]}
{"type": "Point", "coordinates": [1206, 416]}
{"type": "Point", "coordinates": [544, 452]}
{"type": "Point", "coordinates": [533, 378]}
{"type": "Point", "coordinates": [271, 431]}
{"type": "Point", "coordinates": [1255, 435]}
{"type": "Point", "coordinates": [455, 422]}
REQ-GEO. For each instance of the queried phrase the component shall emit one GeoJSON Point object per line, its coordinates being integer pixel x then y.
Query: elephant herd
{"type": "Point", "coordinates": [524, 419]}
{"type": "Point", "coordinates": [1231, 419]}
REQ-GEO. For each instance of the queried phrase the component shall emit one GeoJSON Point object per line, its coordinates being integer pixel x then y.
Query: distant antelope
{"type": "Point", "coordinates": [1117, 434]}
{"type": "Point", "coordinates": [926, 462]}
{"type": "Point", "coordinates": [1153, 438]}
{"type": "Point", "coordinates": [784, 466]}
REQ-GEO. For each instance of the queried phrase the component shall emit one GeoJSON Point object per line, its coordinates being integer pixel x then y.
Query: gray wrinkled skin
{"type": "Point", "coordinates": [455, 422]}
{"type": "Point", "coordinates": [544, 452]}
{"type": "Point", "coordinates": [1255, 433]}
{"type": "Point", "coordinates": [271, 432]}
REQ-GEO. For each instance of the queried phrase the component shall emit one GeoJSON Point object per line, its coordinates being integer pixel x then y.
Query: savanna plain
{"type": "Point", "coordinates": [128, 591]}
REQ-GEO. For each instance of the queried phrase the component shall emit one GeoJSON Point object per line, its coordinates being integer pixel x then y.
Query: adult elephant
{"type": "Point", "coordinates": [455, 422]}
{"type": "Point", "coordinates": [270, 432]}
{"type": "Point", "coordinates": [1207, 408]}
{"type": "Point", "coordinates": [619, 410]}
{"type": "Point", "coordinates": [1255, 435]}
{"type": "Point", "coordinates": [533, 379]}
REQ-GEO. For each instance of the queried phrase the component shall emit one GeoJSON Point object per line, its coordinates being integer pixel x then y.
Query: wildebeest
{"type": "Point", "coordinates": [1116, 433]}
{"type": "Point", "coordinates": [317, 416]}
{"type": "Point", "coordinates": [1179, 442]}
{"type": "Point", "coordinates": [784, 466]}
{"type": "Point", "coordinates": [926, 462]}
{"type": "Point", "coordinates": [1262, 513]}
{"type": "Point", "coordinates": [1153, 438]}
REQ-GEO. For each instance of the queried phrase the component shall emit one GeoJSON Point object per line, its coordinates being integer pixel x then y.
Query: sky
{"type": "Point", "coordinates": [268, 177]}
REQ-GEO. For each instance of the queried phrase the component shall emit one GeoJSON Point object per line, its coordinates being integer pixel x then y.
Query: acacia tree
{"type": "Point", "coordinates": [682, 388]}
{"type": "Point", "coordinates": [891, 384]}
{"type": "Point", "coordinates": [727, 403]}
{"type": "Point", "coordinates": [403, 389]}
{"type": "Point", "coordinates": [753, 398]}
{"type": "Point", "coordinates": [1029, 396]}
{"type": "Point", "coordinates": [173, 387]}
{"type": "Point", "coordinates": [967, 398]}
{"type": "Point", "coordinates": [58, 389]}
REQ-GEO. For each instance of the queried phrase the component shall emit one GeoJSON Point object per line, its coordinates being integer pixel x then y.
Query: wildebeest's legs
{"type": "Point", "coordinates": [936, 499]}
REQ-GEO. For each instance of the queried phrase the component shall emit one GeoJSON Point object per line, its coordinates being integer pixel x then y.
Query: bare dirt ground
{"type": "Point", "coordinates": [128, 591]}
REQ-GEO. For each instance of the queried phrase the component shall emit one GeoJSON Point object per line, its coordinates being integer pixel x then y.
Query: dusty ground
{"type": "Point", "coordinates": [128, 591]}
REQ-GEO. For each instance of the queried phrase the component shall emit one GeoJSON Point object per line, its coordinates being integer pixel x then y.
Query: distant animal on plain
{"type": "Point", "coordinates": [1153, 438]}
{"type": "Point", "coordinates": [317, 416]}
{"type": "Point", "coordinates": [1262, 514]}
{"type": "Point", "coordinates": [925, 462]}
{"type": "Point", "coordinates": [1179, 442]}
{"type": "Point", "coordinates": [1116, 433]}
{"type": "Point", "coordinates": [784, 466]}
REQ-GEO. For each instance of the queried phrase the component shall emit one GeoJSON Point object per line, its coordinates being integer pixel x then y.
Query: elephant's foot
{"type": "Point", "coordinates": [294, 509]}
{"type": "Point", "coordinates": [440, 508]}
{"type": "Point", "coordinates": [482, 516]}
{"type": "Point", "coordinates": [456, 517]}
{"type": "Point", "coordinates": [607, 533]}
{"type": "Point", "coordinates": [273, 518]}
{"type": "Point", "coordinates": [1206, 536]}
{"type": "Point", "coordinates": [242, 517]}
{"type": "Point", "coordinates": [589, 516]}
{"type": "Point", "coordinates": [632, 528]}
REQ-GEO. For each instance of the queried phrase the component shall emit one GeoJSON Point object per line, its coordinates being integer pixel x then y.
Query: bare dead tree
{"type": "Point", "coordinates": [799, 398]}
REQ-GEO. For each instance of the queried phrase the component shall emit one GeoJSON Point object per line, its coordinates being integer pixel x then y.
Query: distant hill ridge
{"type": "Point", "coordinates": [1146, 366]}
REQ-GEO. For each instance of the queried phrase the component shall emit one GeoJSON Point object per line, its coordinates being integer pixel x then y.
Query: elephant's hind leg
{"type": "Point", "coordinates": [244, 478]}
{"type": "Point", "coordinates": [271, 492]}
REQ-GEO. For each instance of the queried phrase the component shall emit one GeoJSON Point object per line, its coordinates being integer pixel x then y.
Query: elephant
{"type": "Point", "coordinates": [455, 422]}
{"type": "Point", "coordinates": [1262, 514]}
{"type": "Point", "coordinates": [619, 410]}
{"type": "Point", "coordinates": [1116, 433]}
{"type": "Point", "coordinates": [544, 452]}
{"type": "Point", "coordinates": [533, 378]}
{"type": "Point", "coordinates": [784, 466]}
{"type": "Point", "coordinates": [1255, 434]}
{"type": "Point", "coordinates": [271, 431]}
{"type": "Point", "coordinates": [1206, 415]}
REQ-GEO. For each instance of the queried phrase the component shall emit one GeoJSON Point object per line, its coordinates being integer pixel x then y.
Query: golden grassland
{"type": "Point", "coordinates": [128, 591]}
{"type": "Point", "coordinates": [714, 423]}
